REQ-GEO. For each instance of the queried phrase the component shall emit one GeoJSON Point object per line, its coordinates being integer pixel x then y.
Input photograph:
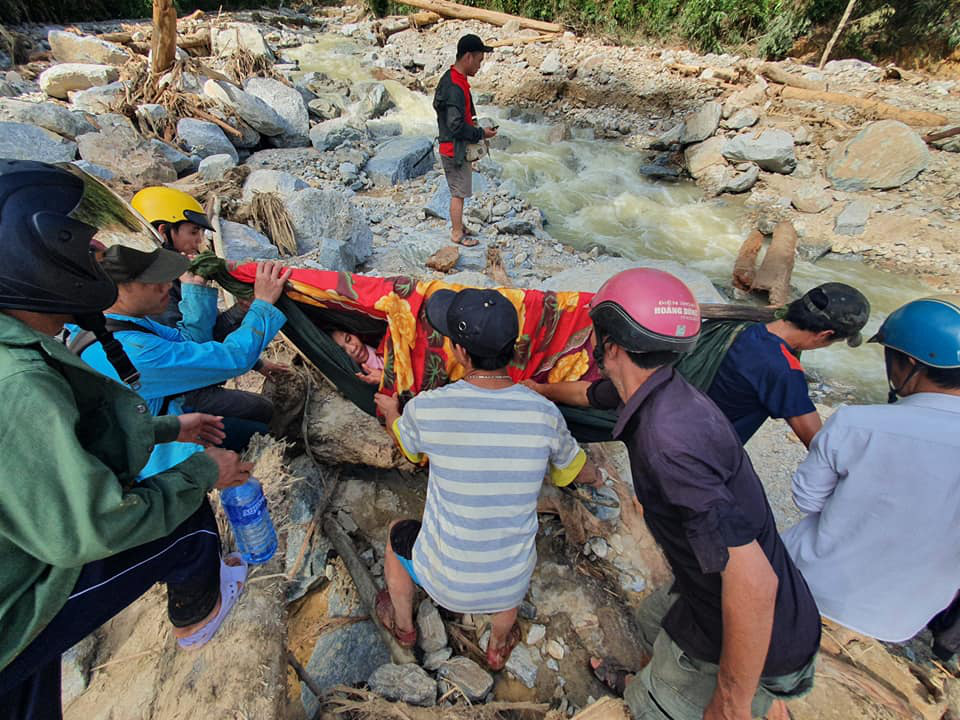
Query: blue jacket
{"type": "Point", "coordinates": [173, 361]}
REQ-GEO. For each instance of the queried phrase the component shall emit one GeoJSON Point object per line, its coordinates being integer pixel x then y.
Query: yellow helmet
{"type": "Point", "coordinates": [163, 204]}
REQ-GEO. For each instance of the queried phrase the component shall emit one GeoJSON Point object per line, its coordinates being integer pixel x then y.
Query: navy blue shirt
{"type": "Point", "coordinates": [760, 377]}
{"type": "Point", "coordinates": [700, 497]}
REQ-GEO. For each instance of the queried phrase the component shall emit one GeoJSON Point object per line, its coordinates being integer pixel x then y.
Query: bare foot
{"type": "Point", "coordinates": [778, 711]}
{"type": "Point", "coordinates": [182, 632]}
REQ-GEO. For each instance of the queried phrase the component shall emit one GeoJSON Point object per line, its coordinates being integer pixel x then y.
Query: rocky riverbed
{"type": "Point", "coordinates": [329, 170]}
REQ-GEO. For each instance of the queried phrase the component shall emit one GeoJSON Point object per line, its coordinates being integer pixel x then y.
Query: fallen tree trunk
{"type": "Point", "coordinates": [779, 75]}
{"type": "Point", "coordinates": [546, 37]}
{"type": "Point", "coordinates": [777, 266]}
{"type": "Point", "coordinates": [366, 588]}
{"type": "Point", "coordinates": [423, 19]}
{"type": "Point", "coordinates": [164, 42]}
{"type": "Point", "coordinates": [447, 9]}
{"type": "Point", "coordinates": [880, 109]}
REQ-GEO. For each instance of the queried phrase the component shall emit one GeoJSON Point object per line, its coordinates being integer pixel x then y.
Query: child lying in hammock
{"type": "Point", "coordinates": [362, 354]}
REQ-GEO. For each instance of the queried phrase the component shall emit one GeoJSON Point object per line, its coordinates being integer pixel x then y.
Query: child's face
{"type": "Point", "coordinates": [353, 346]}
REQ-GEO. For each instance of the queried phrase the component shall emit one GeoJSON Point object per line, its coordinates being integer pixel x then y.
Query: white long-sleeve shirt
{"type": "Point", "coordinates": [880, 547]}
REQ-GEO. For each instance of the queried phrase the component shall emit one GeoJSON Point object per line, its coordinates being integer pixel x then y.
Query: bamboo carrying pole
{"type": "Point", "coordinates": [448, 9]}
{"type": "Point", "coordinates": [164, 41]}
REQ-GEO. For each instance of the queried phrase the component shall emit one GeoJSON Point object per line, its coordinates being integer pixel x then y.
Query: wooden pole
{"type": "Point", "coordinates": [164, 41]}
{"type": "Point", "coordinates": [447, 9]}
{"type": "Point", "coordinates": [883, 110]}
{"type": "Point", "coordinates": [836, 34]}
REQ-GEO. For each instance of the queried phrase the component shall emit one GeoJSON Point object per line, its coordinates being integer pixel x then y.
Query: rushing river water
{"type": "Point", "coordinates": [592, 192]}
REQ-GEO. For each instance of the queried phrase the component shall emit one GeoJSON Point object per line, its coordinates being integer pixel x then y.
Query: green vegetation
{"type": "Point", "coordinates": [19, 11]}
{"type": "Point", "coordinates": [877, 28]}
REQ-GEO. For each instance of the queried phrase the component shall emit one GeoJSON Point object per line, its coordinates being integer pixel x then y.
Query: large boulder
{"type": "Point", "coordinates": [124, 152]}
{"type": "Point", "coordinates": [271, 181]}
{"type": "Point", "coordinates": [58, 80]}
{"type": "Point", "coordinates": [771, 149]}
{"type": "Point", "coordinates": [883, 155]}
{"type": "Point", "coordinates": [204, 138]}
{"type": "Point", "coordinates": [373, 100]}
{"type": "Point", "coordinates": [69, 47]}
{"type": "Point", "coordinates": [591, 278]}
{"type": "Point", "coordinates": [400, 159]}
{"type": "Point", "coordinates": [702, 124]}
{"type": "Point", "coordinates": [327, 220]}
{"type": "Point", "coordinates": [289, 105]}
{"type": "Point", "coordinates": [241, 242]}
{"type": "Point", "coordinates": [245, 36]}
{"type": "Point", "coordinates": [98, 100]}
{"type": "Point", "coordinates": [254, 111]}
{"type": "Point", "coordinates": [331, 134]}
{"type": "Point", "coordinates": [439, 205]}
{"type": "Point", "coordinates": [20, 141]}
{"type": "Point", "coordinates": [181, 162]}
{"type": "Point", "coordinates": [703, 155]}
{"type": "Point", "coordinates": [214, 167]}
{"type": "Point", "coordinates": [47, 115]}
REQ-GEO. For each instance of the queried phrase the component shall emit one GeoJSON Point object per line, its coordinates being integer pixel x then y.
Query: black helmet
{"type": "Point", "coordinates": [48, 263]}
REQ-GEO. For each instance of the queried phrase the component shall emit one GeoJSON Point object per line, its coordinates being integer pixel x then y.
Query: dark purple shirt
{"type": "Point", "coordinates": [701, 496]}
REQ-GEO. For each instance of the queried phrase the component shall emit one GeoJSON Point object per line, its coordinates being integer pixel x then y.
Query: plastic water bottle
{"type": "Point", "coordinates": [246, 508]}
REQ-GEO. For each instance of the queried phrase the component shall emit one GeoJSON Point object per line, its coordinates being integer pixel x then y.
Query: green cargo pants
{"type": "Point", "coordinates": [675, 686]}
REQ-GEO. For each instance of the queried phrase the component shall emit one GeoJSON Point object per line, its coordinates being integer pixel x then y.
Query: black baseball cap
{"type": "Point", "coordinates": [844, 308]}
{"type": "Point", "coordinates": [483, 321]}
{"type": "Point", "coordinates": [124, 264]}
{"type": "Point", "coordinates": [471, 43]}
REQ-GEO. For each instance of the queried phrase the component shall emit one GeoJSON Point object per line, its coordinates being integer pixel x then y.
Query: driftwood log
{"type": "Point", "coordinates": [447, 9]}
{"type": "Point", "coordinates": [164, 43]}
{"type": "Point", "coordinates": [778, 75]}
{"type": "Point", "coordinates": [745, 266]}
{"type": "Point", "coordinates": [777, 266]}
{"type": "Point", "coordinates": [876, 107]}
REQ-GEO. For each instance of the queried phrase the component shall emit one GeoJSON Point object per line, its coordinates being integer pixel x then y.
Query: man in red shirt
{"type": "Point", "coordinates": [457, 128]}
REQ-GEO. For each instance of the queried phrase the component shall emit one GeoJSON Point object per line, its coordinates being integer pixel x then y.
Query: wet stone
{"type": "Point", "coordinates": [431, 631]}
{"type": "Point", "coordinates": [467, 676]}
{"type": "Point", "coordinates": [405, 683]}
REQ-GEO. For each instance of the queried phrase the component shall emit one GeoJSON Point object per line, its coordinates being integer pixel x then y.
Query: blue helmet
{"type": "Point", "coordinates": [928, 330]}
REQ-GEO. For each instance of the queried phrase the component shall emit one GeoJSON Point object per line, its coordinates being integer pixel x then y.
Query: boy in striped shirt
{"type": "Point", "coordinates": [490, 443]}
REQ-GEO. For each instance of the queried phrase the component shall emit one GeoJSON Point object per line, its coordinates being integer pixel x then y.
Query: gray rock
{"type": "Point", "coordinates": [20, 141]}
{"type": "Point", "coordinates": [950, 144]}
{"type": "Point", "coordinates": [242, 242]}
{"type": "Point", "coordinates": [71, 48]}
{"type": "Point", "coordinates": [373, 100]}
{"type": "Point", "coordinates": [98, 171]}
{"type": "Point", "coordinates": [98, 100]}
{"type": "Point", "coordinates": [330, 134]}
{"type": "Point", "coordinates": [58, 80]}
{"type": "Point", "coordinates": [432, 661]}
{"type": "Point", "coordinates": [75, 665]}
{"type": "Point", "coordinates": [47, 115]}
{"type": "Point", "coordinates": [753, 95]}
{"type": "Point", "coordinates": [153, 115]}
{"type": "Point", "coordinates": [814, 250]}
{"type": "Point", "coordinates": [439, 205]}
{"type": "Point", "coordinates": [383, 128]}
{"type": "Point", "coordinates": [470, 678]}
{"type": "Point", "coordinates": [252, 110]}
{"type": "Point", "coordinates": [204, 138]}
{"type": "Point", "coordinates": [523, 663]}
{"type": "Point", "coordinates": [225, 41]}
{"type": "Point", "coordinates": [328, 221]}
{"type": "Point", "coordinates": [405, 683]}
{"type": "Point", "coordinates": [559, 133]}
{"type": "Point", "coordinates": [771, 149]}
{"type": "Point", "coordinates": [271, 181]}
{"type": "Point", "coordinates": [248, 138]}
{"type": "Point", "coordinates": [400, 159]}
{"type": "Point", "coordinates": [669, 138]}
{"type": "Point", "coordinates": [360, 642]}
{"type": "Point", "coordinates": [181, 162]}
{"type": "Point", "coordinates": [885, 154]}
{"type": "Point", "coordinates": [811, 199]}
{"type": "Point", "coordinates": [659, 172]}
{"type": "Point", "coordinates": [123, 151]}
{"type": "Point", "coordinates": [289, 105]}
{"type": "Point", "coordinates": [702, 124]}
{"type": "Point", "coordinates": [589, 279]}
{"type": "Point", "coordinates": [327, 106]}
{"type": "Point", "coordinates": [432, 634]}
{"type": "Point", "coordinates": [514, 226]}
{"type": "Point", "coordinates": [852, 220]}
{"type": "Point", "coordinates": [214, 167]}
{"type": "Point", "coordinates": [551, 64]}
{"type": "Point", "coordinates": [535, 634]}
{"type": "Point", "coordinates": [742, 182]}
{"type": "Point", "coordinates": [744, 118]}
{"type": "Point", "coordinates": [701, 156]}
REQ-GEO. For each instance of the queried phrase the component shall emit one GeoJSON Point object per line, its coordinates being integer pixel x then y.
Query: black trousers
{"type": "Point", "coordinates": [187, 560]}
{"type": "Point", "coordinates": [946, 631]}
{"type": "Point", "coordinates": [245, 414]}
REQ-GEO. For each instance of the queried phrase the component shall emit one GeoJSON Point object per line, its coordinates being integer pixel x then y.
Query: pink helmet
{"type": "Point", "coordinates": [646, 310]}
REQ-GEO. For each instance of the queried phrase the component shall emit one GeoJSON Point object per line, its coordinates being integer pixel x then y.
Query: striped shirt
{"type": "Point", "coordinates": [489, 451]}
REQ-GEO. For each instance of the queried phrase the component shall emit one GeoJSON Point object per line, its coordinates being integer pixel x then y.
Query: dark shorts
{"type": "Point", "coordinates": [459, 179]}
{"type": "Point", "coordinates": [402, 538]}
